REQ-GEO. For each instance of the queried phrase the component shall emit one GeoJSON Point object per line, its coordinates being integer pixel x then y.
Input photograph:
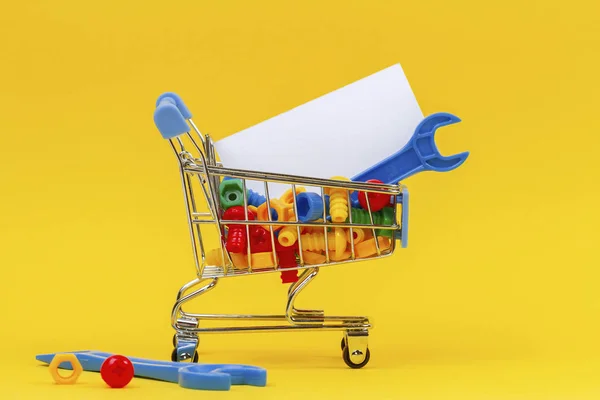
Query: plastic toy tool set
{"type": "Point", "coordinates": [315, 223]}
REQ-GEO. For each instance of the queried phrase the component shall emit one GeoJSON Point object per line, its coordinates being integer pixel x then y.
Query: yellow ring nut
{"type": "Point", "coordinates": [75, 364]}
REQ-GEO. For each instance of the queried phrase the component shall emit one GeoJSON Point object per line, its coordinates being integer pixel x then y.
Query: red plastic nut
{"type": "Point", "coordinates": [117, 371]}
{"type": "Point", "coordinates": [376, 200]}
{"type": "Point", "coordinates": [236, 238]}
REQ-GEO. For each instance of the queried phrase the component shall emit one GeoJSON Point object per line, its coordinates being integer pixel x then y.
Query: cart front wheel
{"type": "Point", "coordinates": [348, 359]}
{"type": "Point", "coordinates": [174, 356]}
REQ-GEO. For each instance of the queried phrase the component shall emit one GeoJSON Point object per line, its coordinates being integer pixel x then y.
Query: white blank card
{"type": "Point", "coordinates": [339, 134]}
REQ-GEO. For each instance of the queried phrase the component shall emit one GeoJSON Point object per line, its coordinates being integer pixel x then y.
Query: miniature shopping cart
{"type": "Point", "coordinates": [203, 177]}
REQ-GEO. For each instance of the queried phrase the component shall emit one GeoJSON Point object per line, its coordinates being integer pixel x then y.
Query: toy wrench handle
{"type": "Point", "coordinates": [419, 154]}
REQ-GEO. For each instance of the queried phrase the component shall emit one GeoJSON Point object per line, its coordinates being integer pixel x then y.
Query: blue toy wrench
{"type": "Point", "coordinates": [419, 154]}
{"type": "Point", "coordinates": [190, 376]}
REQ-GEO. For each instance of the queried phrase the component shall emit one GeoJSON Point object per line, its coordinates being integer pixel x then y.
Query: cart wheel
{"type": "Point", "coordinates": [175, 340]}
{"type": "Point", "coordinates": [346, 357]}
{"type": "Point", "coordinates": [343, 343]}
{"type": "Point", "coordinates": [174, 356]}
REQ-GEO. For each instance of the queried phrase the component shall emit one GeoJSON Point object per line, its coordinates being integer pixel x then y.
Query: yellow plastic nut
{"type": "Point", "coordinates": [75, 364]}
{"type": "Point", "coordinates": [312, 258]}
{"type": "Point", "coordinates": [367, 248]}
{"type": "Point", "coordinates": [262, 260]}
{"type": "Point", "coordinates": [338, 201]}
{"type": "Point", "coordinates": [288, 236]}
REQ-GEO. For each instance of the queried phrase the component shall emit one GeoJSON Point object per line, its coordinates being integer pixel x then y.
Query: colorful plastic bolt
{"type": "Point", "coordinates": [117, 371]}
{"type": "Point", "coordinates": [279, 215]}
{"type": "Point", "coordinates": [382, 217]}
{"type": "Point", "coordinates": [358, 234]}
{"type": "Point", "coordinates": [376, 200]}
{"type": "Point", "coordinates": [288, 236]}
{"type": "Point", "coordinates": [260, 240]}
{"type": "Point", "coordinates": [310, 207]}
{"type": "Point", "coordinates": [344, 256]}
{"type": "Point", "coordinates": [287, 197]}
{"type": "Point", "coordinates": [338, 201]}
{"type": "Point", "coordinates": [65, 358]}
{"type": "Point", "coordinates": [313, 229]}
{"type": "Point", "coordinates": [254, 199]}
{"type": "Point", "coordinates": [215, 258]}
{"type": "Point", "coordinates": [262, 260]}
{"type": "Point", "coordinates": [236, 237]}
{"type": "Point", "coordinates": [316, 241]}
{"type": "Point", "coordinates": [367, 248]}
{"type": "Point", "coordinates": [287, 259]}
{"type": "Point", "coordinates": [312, 258]}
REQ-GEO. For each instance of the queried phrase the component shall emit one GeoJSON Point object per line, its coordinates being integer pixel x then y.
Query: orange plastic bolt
{"type": "Point", "coordinates": [311, 258]}
{"type": "Point", "coordinates": [279, 208]}
{"type": "Point", "coordinates": [367, 248]}
{"type": "Point", "coordinates": [289, 234]}
{"type": "Point", "coordinates": [316, 241]}
{"type": "Point", "coordinates": [262, 260]}
{"type": "Point", "coordinates": [344, 256]}
{"type": "Point", "coordinates": [215, 258]}
{"type": "Point", "coordinates": [287, 197]}
{"type": "Point", "coordinates": [359, 235]}
{"type": "Point", "coordinates": [75, 364]}
{"type": "Point", "coordinates": [338, 201]}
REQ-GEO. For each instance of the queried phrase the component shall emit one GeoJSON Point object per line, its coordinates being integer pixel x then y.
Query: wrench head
{"type": "Point", "coordinates": [424, 143]}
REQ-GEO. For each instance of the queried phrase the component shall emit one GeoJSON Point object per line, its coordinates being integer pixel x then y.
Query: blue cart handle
{"type": "Point", "coordinates": [171, 115]}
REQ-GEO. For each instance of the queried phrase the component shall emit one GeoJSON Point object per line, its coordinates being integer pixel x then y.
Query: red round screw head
{"type": "Point", "coordinates": [376, 200]}
{"type": "Point", "coordinates": [116, 371]}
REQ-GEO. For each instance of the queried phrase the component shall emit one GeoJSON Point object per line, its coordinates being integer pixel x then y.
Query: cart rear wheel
{"type": "Point", "coordinates": [348, 361]}
{"type": "Point", "coordinates": [174, 356]}
{"type": "Point", "coordinates": [343, 343]}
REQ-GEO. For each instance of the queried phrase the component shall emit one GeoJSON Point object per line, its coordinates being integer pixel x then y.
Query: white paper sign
{"type": "Point", "coordinates": [339, 134]}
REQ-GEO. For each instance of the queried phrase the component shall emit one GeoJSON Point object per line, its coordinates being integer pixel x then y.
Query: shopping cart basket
{"type": "Point", "coordinates": [202, 173]}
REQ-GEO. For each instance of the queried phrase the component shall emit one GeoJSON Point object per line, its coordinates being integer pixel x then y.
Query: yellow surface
{"type": "Point", "coordinates": [497, 295]}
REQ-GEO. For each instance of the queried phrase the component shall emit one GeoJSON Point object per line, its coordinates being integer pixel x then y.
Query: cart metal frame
{"type": "Point", "coordinates": [201, 172]}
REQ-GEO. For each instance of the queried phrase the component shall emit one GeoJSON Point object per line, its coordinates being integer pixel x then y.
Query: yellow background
{"type": "Point", "coordinates": [497, 294]}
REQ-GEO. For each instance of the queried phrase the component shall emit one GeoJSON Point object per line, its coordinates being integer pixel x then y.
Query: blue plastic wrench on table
{"type": "Point", "coordinates": [190, 376]}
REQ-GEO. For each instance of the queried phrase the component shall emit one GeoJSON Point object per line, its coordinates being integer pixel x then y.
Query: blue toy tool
{"type": "Point", "coordinates": [419, 154]}
{"type": "Point", "coordinates": [190, 376]}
